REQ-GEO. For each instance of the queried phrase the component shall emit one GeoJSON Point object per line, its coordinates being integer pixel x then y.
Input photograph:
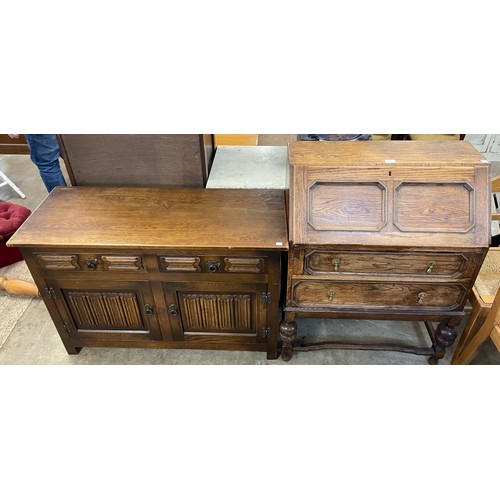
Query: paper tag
{"type": "Point", "coordinates": [279, 243]}
{"type": "Point", "coordinates": [390, 161]}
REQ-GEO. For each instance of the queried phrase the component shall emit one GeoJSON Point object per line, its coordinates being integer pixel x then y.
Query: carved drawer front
{"type": "Point", "coordinates": [385, 263]}
{"type": "Point", "coordinates": [212, 264]}
{"type": "Point", "coordinates": [90, 262]}
{"type": "Point", "coordinates": [122, 262]}
{"type": "Point", "coordinates": [58, 262]}
{"type": "Point", "coordinates": [325, 293]}
{"type": "Point", "coordinates": [175, 263]}
{"type": "Point", "coordinates": [245, 264]}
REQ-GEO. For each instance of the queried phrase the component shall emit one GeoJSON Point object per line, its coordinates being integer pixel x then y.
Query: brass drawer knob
{"type": "Point", "coordinates": [421, 297]}
{"type": "Point", "coordinates": [149, 309]}
{"type": "Point", "coordinates": [430, 266]}
{"type": "Point", "coordinates": [173, 310]}
{"type": "Point", "coordinates": [331, 294]}
{"type": "Point", "coordinates": [336, 265]}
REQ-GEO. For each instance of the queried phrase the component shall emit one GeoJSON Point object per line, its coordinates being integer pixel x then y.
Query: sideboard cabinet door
{"type": "Point", "coordinates": [210, 312]}
{"type": "Point", "coordinates": [108, 311]}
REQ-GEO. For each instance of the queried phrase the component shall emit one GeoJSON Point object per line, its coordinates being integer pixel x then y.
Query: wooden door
{"type": "Point", "coordinates": [91, 309]}
{"type": "Point", "coordinates": [212, 311]}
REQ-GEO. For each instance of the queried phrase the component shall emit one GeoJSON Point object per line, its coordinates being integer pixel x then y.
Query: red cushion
{"type": "Point", "coordinates": [11, 218]}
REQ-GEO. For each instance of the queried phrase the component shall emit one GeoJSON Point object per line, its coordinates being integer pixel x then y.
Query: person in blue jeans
{"type": "Point", "coordinates": [45, 155]}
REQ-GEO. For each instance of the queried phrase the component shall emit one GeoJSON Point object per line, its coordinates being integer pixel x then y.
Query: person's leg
{"type": "Point", "coordinates": [45, 155]}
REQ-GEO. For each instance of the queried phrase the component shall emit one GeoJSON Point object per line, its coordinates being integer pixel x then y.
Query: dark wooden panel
{"type": "Point", "coordinates": [10, 146]}
{"type": "Point", "coordinates": [151, 160]}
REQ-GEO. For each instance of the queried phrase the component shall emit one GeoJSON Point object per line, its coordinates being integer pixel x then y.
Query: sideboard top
{"type": "Point", "coordinates": [318, 153]}
{"type": "Point", "coordinates": [156, 218]}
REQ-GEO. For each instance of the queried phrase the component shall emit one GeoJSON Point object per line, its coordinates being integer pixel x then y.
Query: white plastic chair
{"type": "Point", "coordinates": [5, 181]}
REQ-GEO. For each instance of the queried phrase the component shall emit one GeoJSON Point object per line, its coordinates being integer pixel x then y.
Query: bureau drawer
{"type": "Point", "coordinates": [337, 294]}
{"type": "Point", "coordinates": [90, 262]}
{"type": "Point", "coordinates": [212, 264]}
{"type": "Point", "coordinates": [430, 264]}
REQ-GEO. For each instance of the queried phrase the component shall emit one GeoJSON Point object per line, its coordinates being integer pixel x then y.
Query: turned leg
{"type": "Point", "coordinates": [288, 334]}
{"type": "Point", "coordinates": [445, 336]}
{"type": "Point", "coordinates": [20, 287]}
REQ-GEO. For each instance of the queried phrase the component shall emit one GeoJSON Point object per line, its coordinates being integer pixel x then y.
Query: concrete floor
{"type": "Point", "coordinates": [35, 341]}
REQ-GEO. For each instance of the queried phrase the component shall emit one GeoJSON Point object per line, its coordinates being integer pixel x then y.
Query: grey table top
{"type": "Point", "coordinates": [250, 167]}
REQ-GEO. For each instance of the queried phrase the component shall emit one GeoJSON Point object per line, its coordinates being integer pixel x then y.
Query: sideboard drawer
{"type": "Point", "coordinates": [212, 264]}
{"type": "Point", "coordinates": [90, 262]}
{"type": "Point", "coordinates": [449, 265]}
{"type": "Point", "coordinates": [335, 294]}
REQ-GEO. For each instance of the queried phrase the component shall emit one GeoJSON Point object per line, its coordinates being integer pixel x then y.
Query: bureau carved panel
{"type": "Point", "coordinates": [431, 207]}
{"type": "Point", "coordinates": [332, 207]}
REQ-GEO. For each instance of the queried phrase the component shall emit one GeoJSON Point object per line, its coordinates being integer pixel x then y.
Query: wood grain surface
{"type": "Point", "coordinates": [107, 217]}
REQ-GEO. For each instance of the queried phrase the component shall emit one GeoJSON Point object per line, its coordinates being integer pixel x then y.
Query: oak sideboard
{"type": "Point", "coordinates": [156, 267]}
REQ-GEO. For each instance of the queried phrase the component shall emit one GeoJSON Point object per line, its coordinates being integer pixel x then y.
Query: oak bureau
{"type": "Point", "coordinates": [165, 268]}
{"type": "Point", "coordinates": [385, 230]}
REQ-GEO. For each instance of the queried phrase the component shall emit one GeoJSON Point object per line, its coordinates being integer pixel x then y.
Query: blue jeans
{"type": "Point", "coordinates": [45, 155]}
